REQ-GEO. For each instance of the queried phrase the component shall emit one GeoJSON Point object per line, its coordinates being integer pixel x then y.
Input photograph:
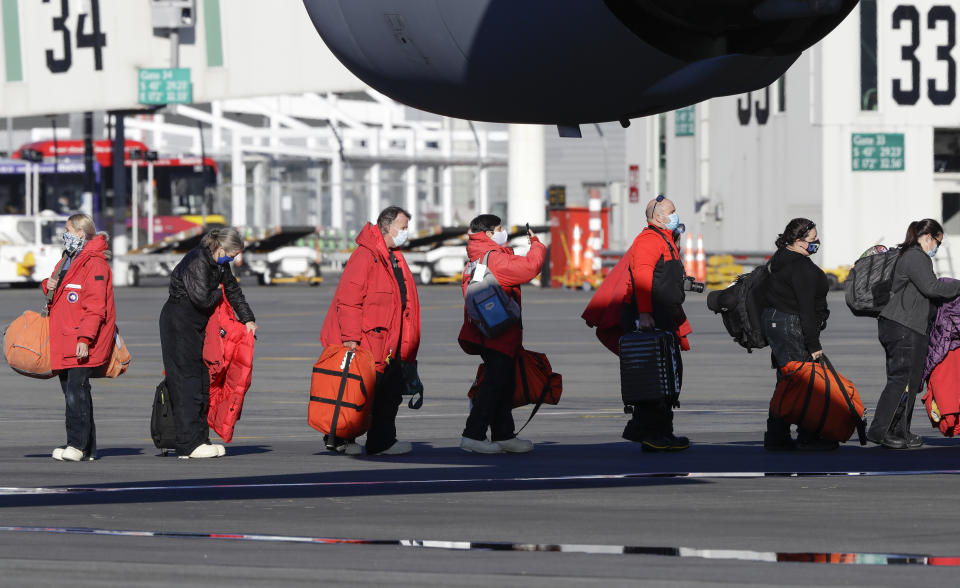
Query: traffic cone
{"type": "Point", "coordinates": [688, 256]}
{"type": "Point", "coordinates": [701, 265]}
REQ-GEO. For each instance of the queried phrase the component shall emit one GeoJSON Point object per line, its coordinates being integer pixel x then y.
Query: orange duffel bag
{"type": "Point", "coordinates": [813, 396]}
{"type": "Point", "coordinates": [536, 383]}
{"type": "Point", "coordinates": [341, 392]}
{"type": "Point", "coordinates": [119, 360]}
{"type": "Point", "coordinates": [26, 345]}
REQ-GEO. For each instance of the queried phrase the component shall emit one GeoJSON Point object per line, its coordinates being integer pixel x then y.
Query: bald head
{"type": "Point", "coordinates": [657, 212]}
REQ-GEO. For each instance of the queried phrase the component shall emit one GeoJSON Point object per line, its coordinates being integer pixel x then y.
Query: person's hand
{"type": "Point", "coordinates": [817, 355]}
{"type": "Point", "coordinates": [351, 345]}
{"type": "Point", "coordinates": [83, 350]}
{"type": "Point", "coordinates": [51, 283]}
{"type": "Point", "coordinates": [645, 321]}
{"type": "Point", "coordinates": [252, 327]}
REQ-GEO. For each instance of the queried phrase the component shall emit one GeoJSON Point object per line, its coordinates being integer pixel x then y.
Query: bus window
{"type": "Point", "coordinates": [63, 195]}
{"type": "Point", "coordinates": [12, 198]}
{"type": "Point", "coordinates": [27, 230]}
{"type": "Point", "coordinates": [51, 230]}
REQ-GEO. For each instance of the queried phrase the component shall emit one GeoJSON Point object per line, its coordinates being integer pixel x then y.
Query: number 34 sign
{"type": "Point", "coordinates": [917, 47]}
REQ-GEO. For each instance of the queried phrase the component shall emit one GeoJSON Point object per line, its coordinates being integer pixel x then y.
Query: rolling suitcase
{"type": "Point", "coordinates": [163, 429]}
{"type": "Point", "coordinates": [649, 367]}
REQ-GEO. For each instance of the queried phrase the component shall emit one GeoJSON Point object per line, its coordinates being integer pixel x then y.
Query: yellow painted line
{"type": "Point", "coordinates": [285, 359]}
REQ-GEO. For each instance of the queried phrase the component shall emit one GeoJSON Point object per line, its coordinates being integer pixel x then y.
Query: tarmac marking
{"type": "Point", "coordinates": [834, 558]}
{"type": "Point", "coordinates": [17, 491]}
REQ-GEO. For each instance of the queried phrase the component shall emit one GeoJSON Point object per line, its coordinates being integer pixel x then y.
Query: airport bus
{"type": "Point", "coordinates": [184, 186]}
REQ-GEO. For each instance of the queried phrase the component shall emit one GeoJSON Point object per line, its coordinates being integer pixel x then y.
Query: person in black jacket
{"type": "Point", "coordinates": [904, 330]}
{"type": "Point", "coordinates": [795, 313]}
{"type": "Point", "coordinates": [194, 294]}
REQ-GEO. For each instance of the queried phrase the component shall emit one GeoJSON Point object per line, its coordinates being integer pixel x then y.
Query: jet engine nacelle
{"type": "Point", "coordinates": [568, 61]}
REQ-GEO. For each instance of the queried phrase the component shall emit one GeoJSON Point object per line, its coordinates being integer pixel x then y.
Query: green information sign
{"type": "Point", "coordinates": [685, 121]}
{"type": "Point", "coordinates": [877, 151]}
{"type": "Point", "coordinates": [165, 86]}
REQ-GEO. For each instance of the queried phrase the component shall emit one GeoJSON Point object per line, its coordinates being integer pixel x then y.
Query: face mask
{"type": "Point", "coordinates": [224, 259]}
{"type": "Point", "coordinates": [500, 238]}
{"type": "Point", "coordinates": [674, 221]}
{"type": "Point", "coordinates": [813, 246]}
{"type": "Point", "coordinates": [401, 238]}
{"type": "Point", "coordinates": [933, 251]}
{"type": "Point", "coordinates": [72, 243]}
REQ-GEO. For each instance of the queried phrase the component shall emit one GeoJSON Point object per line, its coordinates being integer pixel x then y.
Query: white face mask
{"type": "Point", "coordinates": [500, 238]}
{"type": "Point", "coordinates": [401, 238]}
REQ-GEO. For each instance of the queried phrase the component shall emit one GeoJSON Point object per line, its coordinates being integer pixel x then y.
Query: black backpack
{"type": "Point", "coordinates": [867, 288]}
{"type": "Point", "coordinates": [741, 307]}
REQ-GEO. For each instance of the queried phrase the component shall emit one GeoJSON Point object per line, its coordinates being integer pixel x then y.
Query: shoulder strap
{"type": "Point", "coordinates": [526, 391]}
{"type": "Point", "coordinates": [673, 254]}
{"type": "Point", "coordinates": [861, 424]}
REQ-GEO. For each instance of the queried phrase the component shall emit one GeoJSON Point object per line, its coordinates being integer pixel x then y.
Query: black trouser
{"type": "Point", "coordinates": [387, 396]}
{"type": "Point", "coordinates": [493, 406]}
{"type": "Point", "coordinates": [906, 352]}
{"type": "Point", "coordinates": [182, 329]}
{"type": "Point", "coordinates": [784, 333]}
{"type": "Point", "coordinates": [654, 419]}
{"type": "Point", "coordinates": [81, 430]}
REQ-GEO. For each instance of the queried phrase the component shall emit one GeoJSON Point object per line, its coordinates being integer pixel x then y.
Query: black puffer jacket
{"type": "Point", "coordinates": [198, 277]}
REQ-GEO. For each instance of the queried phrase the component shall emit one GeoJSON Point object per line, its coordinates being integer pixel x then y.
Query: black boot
{"type": "Point", "coordinates": [810, 442]}
{"type": "Point", "coordinates": [661, 437]}
{"type": "Point", "coordinates": [777, 437]}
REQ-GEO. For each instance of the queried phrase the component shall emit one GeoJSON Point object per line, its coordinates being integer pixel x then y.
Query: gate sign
{"type": "Point", "coordinates": [684, 121]}
{"type": "Point", "coordinates": [917, 58]}
{"type": "Point", "coordinates": [877, 151]}
{"type": "Point", "coordinates": [165, 86]}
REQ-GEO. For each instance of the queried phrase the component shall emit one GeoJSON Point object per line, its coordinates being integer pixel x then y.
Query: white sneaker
{"type": "Point", "coordinates": [204, 451]}
{"type": "Point", "coordinates": [398, 448]}
{"type": "Point", "coordinates": [349, 448]}
{"type": "Point", "coordinates": [516, 445]}
{"type": "Point", "coordinates": [221, 450]}
{"type": "Point", "coordinates": [474, 446]}
{"type": "Point", "coordinates": [67, 454]}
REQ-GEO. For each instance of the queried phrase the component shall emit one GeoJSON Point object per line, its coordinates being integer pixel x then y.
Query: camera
{"type": "Point", "coordinates": [691, 285]}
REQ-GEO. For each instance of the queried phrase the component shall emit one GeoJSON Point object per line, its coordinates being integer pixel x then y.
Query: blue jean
{"type": "Point", "coordinates": [81, 430]}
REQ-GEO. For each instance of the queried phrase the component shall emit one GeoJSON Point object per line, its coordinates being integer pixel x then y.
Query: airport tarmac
{"type": "Point", "coordinates": [585, 508]}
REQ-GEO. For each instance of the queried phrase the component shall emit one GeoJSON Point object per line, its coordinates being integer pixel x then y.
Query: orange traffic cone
{"type": "Point", "coordinates": [688, 256]}
{"type": "Point", "coordinates": [701, 266]}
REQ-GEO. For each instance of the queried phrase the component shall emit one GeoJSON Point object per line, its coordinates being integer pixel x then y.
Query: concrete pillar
{"type": "Point", "coordinates": [410, 177]}
{"type": "Point", "coordinates": [238, 183]}
{"type": "Point", "coordinates": [373, 192]}
{"type": "Point", "coordinates": [336, 192]}
{"type": "Point", "coordinates": [526, 176]}
{"type": "Point", "coordinates": [276, 215]}
{"type": "Point", "coordinates": [216, 129]}
{"type": "Point", "coordinates": [483, 198]}
{"type": "Point", "coordinates": [446, 177]}
{"type": "Point", "coordinates": [259, 192]}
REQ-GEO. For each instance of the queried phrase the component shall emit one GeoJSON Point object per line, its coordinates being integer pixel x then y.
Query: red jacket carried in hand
{"type": "Point", "coordinates": [82, 309]}
{"type": "Point", "coordinates": [511, 271]}
{"type": "Point", "coordinates": [367, 305]}
{"type": "Point", "coordinates": [228, 353]}
{"type": "Point", "coordinates": [617, 290]}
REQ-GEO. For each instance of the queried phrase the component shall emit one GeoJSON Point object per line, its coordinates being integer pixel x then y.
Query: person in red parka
{"type": "Point", "coordinates": [82, 329]}
{"type": "Point", "coordinates": [494, 402]}
{"type": "Point", "coordinates": [377, 308]}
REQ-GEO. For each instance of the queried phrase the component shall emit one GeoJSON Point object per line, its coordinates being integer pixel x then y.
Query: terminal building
{"type": "Point", "coordinates": [861, 135]}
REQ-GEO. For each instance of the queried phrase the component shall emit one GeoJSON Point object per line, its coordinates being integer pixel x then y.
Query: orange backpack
{"type": "Point", "coordinates": [341, 392]}
{"type": "Point", "coordinates": [813, 396]}
{"type": "Point", "coordinates": [536, 383]}
{"type": "Point", "coordinates": [26, 345]}
{"type": "Point", "coordinates": [119, 360]}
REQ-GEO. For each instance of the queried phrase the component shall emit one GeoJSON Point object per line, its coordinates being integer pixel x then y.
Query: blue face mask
{"type": "Point", "coordinates": [933, 251]}
{"type": "Point", "coordinates": [813, 247]}
{"type": "Point", "coordinates": [224, 259]}
{"type": "Point", "coordinates": [674, 221]}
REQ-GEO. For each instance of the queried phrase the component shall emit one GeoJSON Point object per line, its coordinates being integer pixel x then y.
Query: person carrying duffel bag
{"type": "Point", "coordinates": [795, 313]}
{"type": "Point", "coordinates": [536, 383]}
{"type": "Point", "coordinates": [341, 392]}
{"type": "Point", "coordinates": [82, 329]}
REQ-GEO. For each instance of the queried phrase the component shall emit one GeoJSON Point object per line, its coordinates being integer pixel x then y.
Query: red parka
{"type": "Point", "coordinates": [367, 305]}
{"type": "Point", "coordinates": [82, 309]}
{"type": "Point", "coordinates": [617, 289]}
{"type": "Point", "coordinates": [511, 271]}
{"type": "Point", "coordinates": [228, 353]}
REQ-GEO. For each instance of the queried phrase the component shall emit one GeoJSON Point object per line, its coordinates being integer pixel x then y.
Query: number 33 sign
{"type": "Point", "coordinates": [917, 42]}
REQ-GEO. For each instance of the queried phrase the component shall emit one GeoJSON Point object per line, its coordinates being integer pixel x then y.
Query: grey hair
{"type": "Point", "coordinates": [388, 215]}
{"type": "Point", "coordinates": [228, 237]}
